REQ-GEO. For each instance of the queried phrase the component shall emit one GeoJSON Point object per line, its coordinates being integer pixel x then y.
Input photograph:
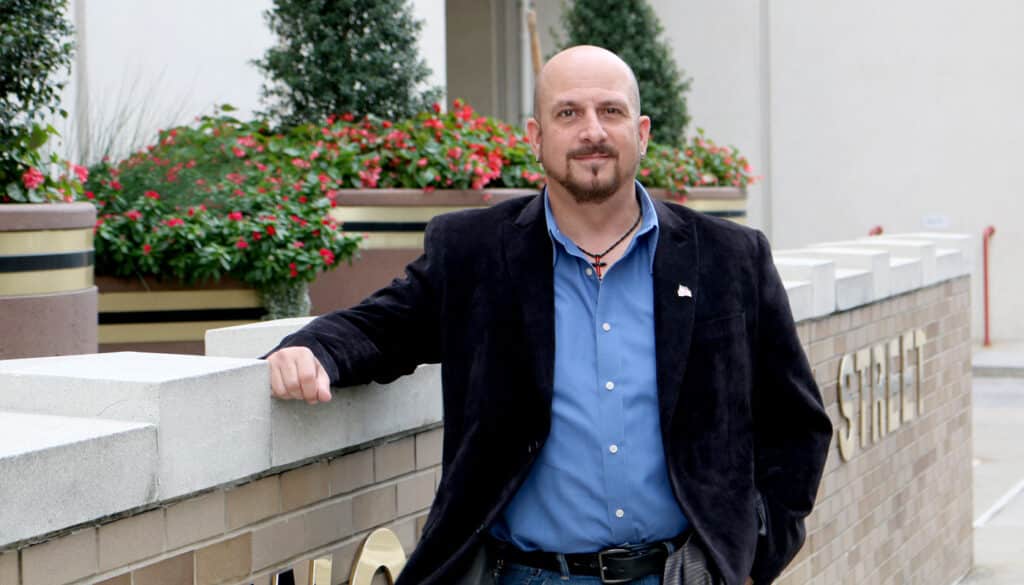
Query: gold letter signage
{"type": "Point", "coordinates": [879, 389]}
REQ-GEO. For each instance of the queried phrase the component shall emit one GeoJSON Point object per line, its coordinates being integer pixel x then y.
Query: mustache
{"type": "Point", "coordinates": [604, 149]}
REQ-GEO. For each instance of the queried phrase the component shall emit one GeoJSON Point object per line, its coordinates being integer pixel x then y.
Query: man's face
{"type": "Point", "coordinates": [587, 133]}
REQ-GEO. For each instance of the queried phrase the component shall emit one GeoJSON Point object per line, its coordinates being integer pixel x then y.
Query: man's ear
{"type": "Point", "coordinates": [533, 134]}
{"type": "Point", "coordinates": [644, 129]}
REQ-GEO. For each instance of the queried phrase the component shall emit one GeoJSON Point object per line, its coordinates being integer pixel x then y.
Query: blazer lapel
{"type": "Point", "coordinates": [675, 293]}
{"type": "Point", "coordinates": [528, 256]}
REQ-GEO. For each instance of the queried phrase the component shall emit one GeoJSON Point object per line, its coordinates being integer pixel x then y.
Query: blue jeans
{"type": "Point", "coordinates": [513, 574]}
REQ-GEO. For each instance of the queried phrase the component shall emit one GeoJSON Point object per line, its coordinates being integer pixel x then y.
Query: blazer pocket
{"type": "Point", "coordinates": [720, 327]}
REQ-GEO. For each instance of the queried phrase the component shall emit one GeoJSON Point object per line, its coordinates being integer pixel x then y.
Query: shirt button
{"type": "Point", "coordinates": [613, 449]}
{"type": "Point", "coordinates": [606, 326]}
{"type": "Point", "coordinates": [609, 385]}
{"type": "Point", "coordinates": [619, 513]}
{"type": "Point", "coordinates": [589, 271]}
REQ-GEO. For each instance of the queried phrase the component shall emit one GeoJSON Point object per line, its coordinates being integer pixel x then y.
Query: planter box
{"type": "Point", "coordinates": [169, 317]}
{"type": "Point", "coordinates": [392, 223]}
{"type": "Point", "coordinates": [166, 317]}
{"type": "Point", "coordinates": [47, 295]}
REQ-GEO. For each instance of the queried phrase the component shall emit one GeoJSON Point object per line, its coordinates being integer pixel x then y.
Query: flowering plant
{"type": "Point", "coordinates": [226, 197]}
{"type": "Point", "coordinates": [699, 163]}
{"type": "Point", "coordinates": [32, 184]}
{"type": "Point", "coordinates": [196, 206]}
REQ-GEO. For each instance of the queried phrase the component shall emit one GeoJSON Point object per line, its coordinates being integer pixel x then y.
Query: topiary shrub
{"type": "Point", "coordinates": [335, 56]}
{"type": "Point", "coordinates": [631, 29]}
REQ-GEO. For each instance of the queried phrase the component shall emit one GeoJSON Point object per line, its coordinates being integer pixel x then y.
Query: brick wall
{"type": "Point", "coordinates": [250, 532]}
{"type": "Point", "coordinates": [900, 510]}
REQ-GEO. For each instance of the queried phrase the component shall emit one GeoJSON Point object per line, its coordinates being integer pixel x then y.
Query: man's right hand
{"type": "Point", "coordinates": [296, 373]}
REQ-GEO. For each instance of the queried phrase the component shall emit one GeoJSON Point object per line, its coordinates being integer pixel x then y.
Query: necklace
{"type": "Point", "coordinates": [597, 263]}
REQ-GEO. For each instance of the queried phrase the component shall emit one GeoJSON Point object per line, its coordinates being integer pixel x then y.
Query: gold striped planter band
{"type": "Point", "coordinates": [173, 315]}
{"type": "Point", "coordinates": [36, 262]}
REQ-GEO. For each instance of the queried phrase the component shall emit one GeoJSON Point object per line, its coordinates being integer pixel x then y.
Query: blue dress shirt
{"type": "Point", "coordinates": [601, 479]}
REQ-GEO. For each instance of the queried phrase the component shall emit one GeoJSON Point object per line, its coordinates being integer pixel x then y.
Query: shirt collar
{"type": "Point", "coordinates": [648, 224]}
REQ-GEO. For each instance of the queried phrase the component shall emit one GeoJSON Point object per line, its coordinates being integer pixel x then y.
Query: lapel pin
{"type": "Point", "coordinates": [684, 291]}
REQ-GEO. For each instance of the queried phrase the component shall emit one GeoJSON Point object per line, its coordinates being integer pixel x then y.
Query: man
{"type": "Point", "coordinates": [619, 374]}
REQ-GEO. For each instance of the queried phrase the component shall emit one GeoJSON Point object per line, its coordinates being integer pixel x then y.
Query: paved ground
{"type": "Point", "coordinates": [998, 467]}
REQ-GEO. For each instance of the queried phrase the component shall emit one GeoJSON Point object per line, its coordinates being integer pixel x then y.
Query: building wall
{"type": "Point", "coordinates": [246, 534]}
{"type": "Point", "coordinates": [900, 509]}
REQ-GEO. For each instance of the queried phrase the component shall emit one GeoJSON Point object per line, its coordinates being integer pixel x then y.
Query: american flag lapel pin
{"type": "Point", "coordinates": [684, 291]}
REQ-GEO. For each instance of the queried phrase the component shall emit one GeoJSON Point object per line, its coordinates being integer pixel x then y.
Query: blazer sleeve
{"type": "Point", "coordinates": [391, 332]}
{"type": "Point", "coordinates": [792, 432]}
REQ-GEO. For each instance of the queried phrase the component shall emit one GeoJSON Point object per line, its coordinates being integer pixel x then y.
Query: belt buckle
{"type": "Point", "coordinates": [601, 567]}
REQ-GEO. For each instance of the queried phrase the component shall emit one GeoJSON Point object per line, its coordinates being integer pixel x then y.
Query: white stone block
{"type": "Point", "coordinates": [907, 275]}
{"type": "Point", "coordinates": [213, 414]}
{"type": "Point", "coordinates": [969, 246]}
{"type": "Point", "coordinates": [801, 298]}
{"type": "Point", "coordinates": [950, 263]}
{"type": "Point", "coordinates": [906, 248]}
{"type": "Point", "coordinates": [58, 471]}
{"type": "Point", "coordinates": [251, 340]}
{"type": "Point", "coordinates": [853, 288]}
{"type": "Point", "coordinates": [355, 415]}
{"type": "Point", "coordinates": [875, 262]}
{"type": "Point", "coordinates": [819, 272]}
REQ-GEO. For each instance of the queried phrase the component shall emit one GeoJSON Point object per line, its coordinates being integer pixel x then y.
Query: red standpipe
{"type": "Point", "coordinates": [875, 231]}
{"type": "Point", "coordinates": [986, 236]}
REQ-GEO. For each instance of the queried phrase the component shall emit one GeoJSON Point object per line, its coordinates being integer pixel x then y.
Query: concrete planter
{"type": "Point", "coordinates": [47, 295]}
{"type": "Point", "coordinates": [392, 223]}
{"type": "Point", "coordinates": [145, 314]}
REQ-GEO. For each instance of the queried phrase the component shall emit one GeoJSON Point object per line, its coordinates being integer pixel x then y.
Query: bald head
{"type": "Point", "coordinates": [584, 65]}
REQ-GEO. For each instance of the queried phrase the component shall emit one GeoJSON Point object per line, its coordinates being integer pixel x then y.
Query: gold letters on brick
{"type": "Point", "coordinates": [883, 397]}
{"type": "Point", "coordinates": [380, 550]}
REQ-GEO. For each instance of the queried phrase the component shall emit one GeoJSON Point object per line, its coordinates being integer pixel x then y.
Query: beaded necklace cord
{"type": "Point", "coordinates": [597, 263]}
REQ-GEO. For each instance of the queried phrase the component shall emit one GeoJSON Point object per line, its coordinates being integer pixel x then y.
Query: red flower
{"type": "Point", "coordinates": [299, 244]}
{"type": "Point", "coordinates": [133, 214]}
{"type": "Point", "coordinates": [256, 236]}
{"type": "Point", "coordinates": [115, 185]}
{"type": "Point", "coordinates": [235, 216]}
{"type": "Point", "coordinates": [271, 230]}
{"type": "Point", "coordinates": [146, 249]}
{"type": "Point", "coordinates": [302, 164]}
{"type": "Point", "coordinates": [293, 270]}
{"type": "Point", "coordinates": [455, 152]}
{"type": "Point", "coordinates": [422, 162]}
{"type": "Point", "coordinates": [241, 244]}
{"type": "Point", "coordinates": [174, 222]}
{"type": "Point", "coordinates": [152, 195]}
{"type": "Point", "coordinates": [239, 152]}
{"type": "Point", "coordinates": [327, 255]}
{"type": "Point", "coordinates": [437, 108]}
{"type": "Point", "coordinates": [32, 178]}
{"type": "Point", "coordinates": [386, 124]}
{"type": "Point", "coordinates": [348, 117]}
{"type": "Point", "coordinates": [90, 195]}
{"type": "Point", "coordinates": [81, 172]}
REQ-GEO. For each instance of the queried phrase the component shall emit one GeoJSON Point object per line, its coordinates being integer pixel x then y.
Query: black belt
{"type": "Point", "coordinates": [612, 565]}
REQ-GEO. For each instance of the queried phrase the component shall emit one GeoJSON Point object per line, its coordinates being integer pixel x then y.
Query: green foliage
{"type": "Point", "coordinates": [335, 56]}
{"type": "Point", "coordinates": [35, 48]}
{"type": "Point", "coordinates": [222, 198]}
{"type": "Point", "coordinates": [631, 29]}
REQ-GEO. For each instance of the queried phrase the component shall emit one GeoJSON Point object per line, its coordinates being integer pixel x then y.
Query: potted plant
{"type": "Point", "coordinates": [47, 297]}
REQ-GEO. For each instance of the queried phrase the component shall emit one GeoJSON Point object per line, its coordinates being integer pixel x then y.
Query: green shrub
{"type": "Point", "coordinates": [337, 56]}
{"type": "Point", "coordinates": [35, 53]}
{"type": "Point", "coordinates": [630, 28]}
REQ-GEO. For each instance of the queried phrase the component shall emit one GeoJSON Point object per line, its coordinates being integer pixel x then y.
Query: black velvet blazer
{"type": "Point", "coordinates": [742, 423]}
